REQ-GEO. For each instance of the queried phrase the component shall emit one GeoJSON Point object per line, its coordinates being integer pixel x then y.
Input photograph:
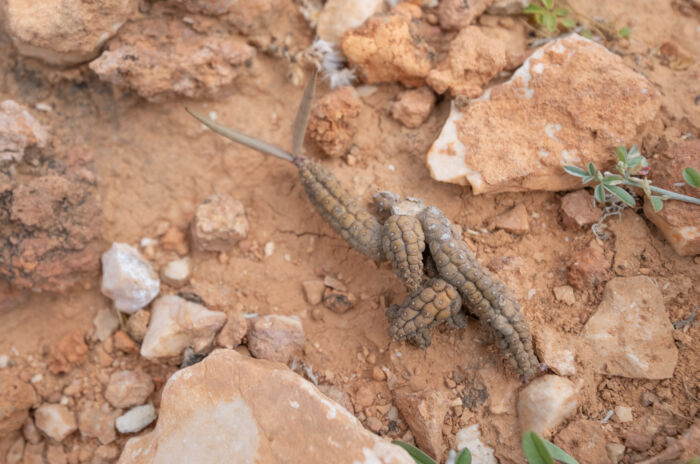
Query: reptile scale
{"type": "Point", "coordinates": [444, 277]}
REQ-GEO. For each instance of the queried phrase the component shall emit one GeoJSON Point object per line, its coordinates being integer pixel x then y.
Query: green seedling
{"type": "Point", "coordinates": [549, 16]}
{"type": "Point", "coordinates": [630, 166]}
{"type": "Point", "coordinates": [540, 451]}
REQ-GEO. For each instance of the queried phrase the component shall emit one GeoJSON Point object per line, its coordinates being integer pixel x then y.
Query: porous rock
{"type": "Point", "coordinates": [275, 338]}
{"type": "Point", "coordinates": [458, 14]}
{"type": "Point", "coordinates": [159, 58]}
{"type": "Point", "coordinates": [70, 350]}
{"type": "Point", "coordinates": [338, 16]}
{"type": "Point", "coordinates": [231, 407]}
{"type": "Point", "coordinates": [219, 223]}
{"type": "Point", "coordinates": [137, 325]}
{"type": "Point", "coordinates": [127, 278]}
{"type": "Point", "coordinates": [388, 47]}
{"type": "Point", "coordinates": [16, 399]}
{"type": "Point", "coordinates": [473, 60]}
{"type": "Point", "coordinates": [413, 106]}
{"type": "Point", "coordinates": [584, 439]}
{"type": "Point", "coordinates": [424, 412]}
{"type": "Point", "coordinates": [630, 334]}
{"type": "Point", "coordinates": [55, 420]}
{"type": "Point", "coordinates": [545, 403]}
{"type": "Point", "coordinates": [176, 324]}
{"type": "Point", "coordinates": [63, 33]}
{"type": "Point", "coordinates": [538, 121]}
{"type": "Point", "coordinates": [233, 331]}
{"type": "Point", "coordinates": [678, 221]}
{"type": "Point", "coordinates": [333, 121]}
{"type": "Point", "coordinates": [128, 388]}
{"type": "Point", "coordinates": [578, 210]}
{"type": "Point", "coordinates": [19, 131]}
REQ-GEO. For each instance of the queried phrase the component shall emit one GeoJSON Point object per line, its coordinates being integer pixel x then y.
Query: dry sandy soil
{"type": "Point", "coordinates": [153, 163]}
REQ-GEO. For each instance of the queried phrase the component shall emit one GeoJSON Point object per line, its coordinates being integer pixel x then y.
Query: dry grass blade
{"type": "Point", "coordinates": [302, 118]}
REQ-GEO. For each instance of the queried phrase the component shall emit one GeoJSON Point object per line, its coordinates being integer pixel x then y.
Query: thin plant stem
{"type": "Point", "coordinates": [671, 195]}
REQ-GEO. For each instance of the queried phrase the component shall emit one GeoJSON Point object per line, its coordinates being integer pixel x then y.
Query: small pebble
{"type": "Point", "coordinates": [136, 419]}
{"type": "Point", "coordinates": [177, 273]}
{"type": "Point", "coordinates": [269, 248]}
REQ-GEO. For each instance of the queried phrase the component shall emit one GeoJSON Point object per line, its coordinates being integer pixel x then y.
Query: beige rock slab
{"type": "Point", "coordinates": [232, 408]}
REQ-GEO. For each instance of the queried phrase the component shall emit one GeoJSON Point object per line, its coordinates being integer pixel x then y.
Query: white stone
{"type": "Point", "coordinates": [4, 361]}
{"type": "Point", "coordinates": [136, 419]}
{"type": "Point", "coordinates": [55, 420]}
{"type": "Point", "coordinates": [176, 324]}
{"type": "Point", "coordinates": [177, 272]}
{"type": "Point", "coordinates": [623, 414]}
{"type": "Point", "coordinates": [630, 334]}
{"type": "Point", "coordinates": [470, 438]}
{"type": "Point", "coordinates": [545, 403]}
{"type": "Point", "coordinates": [18, 130]}
{"type": "Point", "coordinates": [338, 16]}
{"type": "Point", "coordinates": [127, 278]}
{"type": "Point", "coordinates": [106, 323]}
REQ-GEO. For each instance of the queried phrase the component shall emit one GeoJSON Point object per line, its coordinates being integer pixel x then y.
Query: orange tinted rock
{"type": "Point", "coordinates": [424, 412]}
{"type": "Point", "coordinates": [72, 349]}
{"type": "Point", "coordinates": [514, 220]}
{"type": "Point", "coordinates": [586, 266]}
{"type": "Point", "coordinates": [412, 107]}
{"type": "Point", "coordinates": [456, 14]}
{"type": "Point", "coordinates": [333, 121]}
{"type": "Point", "coordinates": [578, 209]}
{"type": "Point", "coordinates": [16, 399]}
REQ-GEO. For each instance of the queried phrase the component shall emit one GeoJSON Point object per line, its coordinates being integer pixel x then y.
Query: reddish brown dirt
{"type": "Point", "coordinates": [155, 164]}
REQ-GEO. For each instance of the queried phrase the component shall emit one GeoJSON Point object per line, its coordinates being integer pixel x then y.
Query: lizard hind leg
{"type": "Point", "coordinates": [430, 305]}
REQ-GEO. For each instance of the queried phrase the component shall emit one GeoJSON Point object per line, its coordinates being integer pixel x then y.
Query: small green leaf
{"type": "Point", "coordinates": [656, 202]}
{"type": "Point", "coordinates": [560, 12]}
{"type": "Point", "coordinates": [535, 450]}
{"type": "Point", "coordinates": [586, 33]}
{"type": "Point", "coordinates": [612, 179]}
{"type": "Point", "coordinates": [587, 179]}
{"type": "Point", "coordinates": [599, 193]}
{"type": "Point", "coordinates": [559, 454]}
{"type": "Point", "coordinates": [532, 8]}
{"type": "Point", "coordinates": [549, 4]}
{"type": "Point", "coordinates": [549, 21]}
{"type": "Point", "coordinates": [575, 171]}
{"type": "Point", "coordinates": [621, 153]}
{"type": "Point", "coordinates": [634, 150]}
{"type": "Point", "coordinates": [568, 23]}
{"type": "Point", "coordinates": [591, 169]}
{"type": "Point", "coordinates": [464, 457]}
{"type": "Point", "coordinates": [417, 455]}
{"type": "Point", "coordinates": [622, 194]}
{"type": "Point", "coordinates": [634, 161]}
{"type": "Point", "coordinates": [692, 177]}
{"type": "Point", "coordinates": [624, 32]}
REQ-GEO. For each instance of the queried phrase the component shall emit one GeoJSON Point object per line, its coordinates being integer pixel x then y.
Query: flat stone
{"type": "Point", "coordinates": [545, 403]}
{"type": "Point", "coordinates": [678, 221]}
{"type": "Point", "coordinates": [127, 278]}
{"type": "Point", "coordinates": [565, 294]}
{"type": "Point", "coordinates": [413, 106]}
{"type": "Point", "coordinates": [55, 420]}
{"type": "Point", "coordinates": [18, 131]}
{"type": "Point", "coordinates": [630, 334]}
{"type": "Point", "coordinates": [514, 220]}
{"type": "Point", "coordinates": [128, 388]}
{"type": "Point", "coordinates": [623, 414]}
{"type": "Point", "coordinates": [177, 324]}
{"type": "Point", "coordinates": [584, 439]}
{"type": "Point", "coordinates": [339, 16]}
{"type": "Point", "coordinates": [232, 408]}
{"type": "Point", "coordinates": [578, 210]}
{"type": "Point", "coordinates": [219, 223]}
{"type": "Point", "coordinates": [518, 134]}
{"type": "Point", "coordinates": [106, 323]}
{"type": "Point", "coordinates": [474, 59]}
{"type": "Point", "coordinates": [136, 419]}
{"type": "Point", "coordinates": [276, 338]}
{"type": "Point", "coordinates": [556, 350]}
{"type": "Point", "coordinates": [424, 412]}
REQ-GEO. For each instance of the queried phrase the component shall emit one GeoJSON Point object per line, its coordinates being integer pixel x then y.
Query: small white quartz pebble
{"type": "Point", "coordinates": [127, 278]}
{"type": "Point", "coordinates": [136, 419]}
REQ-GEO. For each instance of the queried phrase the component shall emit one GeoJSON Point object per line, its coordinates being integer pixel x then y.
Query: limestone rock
{"type": "Point", "coordinates": [235, 408]}
{"type": "Point", "coordinates": [176, 324]}
{"type": "Point", "coordinates": [63, 33]}
{"type": "Point", "coordinates": [545, 403]}
{"type": "Point", "coordinates": [128, 388]}
{"type": "Point", "coordinates": [55, 420]}
{"type": "Point", "coordinates": [514, 220]}
{"type": "Point", "coordinates": [623, 414]}
{"type": "Point", "coordinates": [19, 131]}
{"type": "Point", "coordinates": [127, 278]}
{"type": "Point", "coordinates": [424, 412]}
{"type": "Point", "coordinates": [136, 419]}
{"type": "Point", "coordinates": [584, 439]}
{"type": "Point", "coordinates": [630, 334]}
{"type": "Point", "coordinates": [413, 106]}
{"type": "Point", "coordinates": [275, 338]}
{"type": "Point", "coordinates": [679, 221]}
{"type": "Point", "coordinates": [538, 121]}
{"type": "Point", "coordinates": [338, 16]}
{"type": "Point", "coordinates": [97, 421]}
{"type": "Point", "coordinates": [333, 121]}
{"type": "Point", "coordinates": [473, 60]}
{"type": "Point", "coordinates": [578, 210]}
{"type": "Point", "coordinates": [458, 14]}
{"type": "Point", "coordinates": [159, 58]}
{"type": "Point", "coordinates": [106, 323]}
{"type": "Point", "coordinates": [388, 47]}
{"type": "Point", "coordinates": [177, 272]}
{"type": "Point", "coordinates": [586, 267]}
{"type": "Point", "coordinates": [219, 223]}
{"type": "Point", "coordinates": [556, 350]}
{"type": "Point", "coordinates": [16, 399]}
{"type": "Point", "coordinates": [470, 438]}
{"type": "Point", "coordinates": [233, 331]}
